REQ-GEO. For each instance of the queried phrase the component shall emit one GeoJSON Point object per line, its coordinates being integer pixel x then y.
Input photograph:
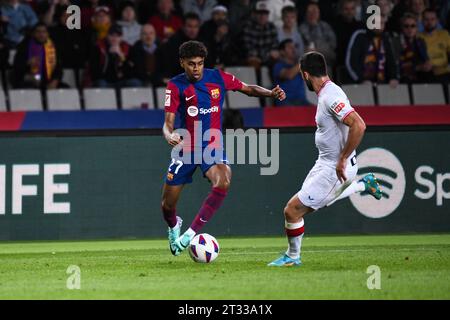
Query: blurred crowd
{"type": "Point", "coordinates": [125, 43]}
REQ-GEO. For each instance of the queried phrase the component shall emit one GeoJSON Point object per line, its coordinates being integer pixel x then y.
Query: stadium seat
{"type": "Point", "coordinates": [160, 96]}
{"type": "Point", "coordinates": [137, 98]}
{"type": "Point", "coordinates": [266, 82]}
{"type": "Point", "coordinates": [99, 99]}
{"type": "Point", "coordinates": [237, 100]}
{"type": "Point", "coordinates": [2, 101]}
{"type": "Point", "coordinates": [63, 99]}
{"type": "Point", "coordinates": [359, 94]}
{"type": "Point", "coordinates": [25, 100]}
{"type": "Point", "coordinates": [388, 96]}
{"type": "Point", "coordinates": [427, 94]}
{"type": "Point", "coordinates": [69, 78]}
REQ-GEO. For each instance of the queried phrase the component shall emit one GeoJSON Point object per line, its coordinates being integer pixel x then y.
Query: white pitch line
{"type": "Point", "coordinates": [321, 251]}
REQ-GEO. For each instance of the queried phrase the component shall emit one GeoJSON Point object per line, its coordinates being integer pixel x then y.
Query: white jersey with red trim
{"type": "Point", "coordinates": [333, 107]}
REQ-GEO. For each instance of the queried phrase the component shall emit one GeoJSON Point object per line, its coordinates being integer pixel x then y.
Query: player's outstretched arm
{"type": "Point", "coordinates": [355, 134]}
{"type": "Point", "coordinates": [172, 138]}
{"type": "Point", "coordinates": [254, 90]}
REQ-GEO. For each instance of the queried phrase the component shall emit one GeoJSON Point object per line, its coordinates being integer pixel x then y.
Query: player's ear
{"type": "Point", "coordinates": [182, 63]}
{"type": "Point", "coordinates": [306, 76]}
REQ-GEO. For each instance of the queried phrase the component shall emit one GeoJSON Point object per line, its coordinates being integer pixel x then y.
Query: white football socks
{"type": "Point", "coordinates": [294, 242]}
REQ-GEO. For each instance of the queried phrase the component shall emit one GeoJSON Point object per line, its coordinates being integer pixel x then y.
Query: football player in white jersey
{"type": "Point", "coordinates": [340, 129]}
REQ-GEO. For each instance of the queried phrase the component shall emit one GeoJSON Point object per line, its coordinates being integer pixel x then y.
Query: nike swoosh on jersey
{"type": "Point", "coordinates": [187, 99]}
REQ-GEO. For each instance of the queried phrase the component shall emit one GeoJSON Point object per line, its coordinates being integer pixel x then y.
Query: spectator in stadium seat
{"type": "Point", "coordinates": [208, 29]}
{"type": "Point", "coordinates": [130, 27]}
{"type": "Point", "coordinates": [168, 60]}
{"type": "Point", "coordinates": [166, 23]}
{"type": "Point", "coordinates": [286, 74]}
{"type": "Point", "coordinates": [222, 49]}
{"type": "Point", "coordinates": [260, 38]}
{"type": "Point", "coordinates": [418, 7]}
{"type": "Point", "coordinates": [415, 65]}
{"type": "Point", "coordinates": [276, 11]}
{"type": "Point", "coordinates": [239, 12]}
{"type": "Point", "coordinates": [386, 7]}
{"type": "Point", "coordinates": [89, 9]}
{"type": "Point", "coordinates": [37, 63]}
{"type": "Point", "coordinates": [318, 35]}
{"type": "Point", "coordinates": [371, 57]}
{"type": "Point", "coordinates": [289, 29]}
{"type": "Point", "coordinates": [203, 8]}
{"type": "Point", "coordinates": [438, 46]}
{"type": "Point", "coordinates": [101, 22]}
{"type": "Point", "coordinates": [46, 10]}
{"type": "Point", "coordinates": [19, 18]}
{"type": "Point", "coordinates": [344, 25]}
{"type": "Point", "coordinates": [109, 65]}
{"type": "Point", "coordinates": [143, 56]}
{"type": "Point", "coordinates": [71, 43]}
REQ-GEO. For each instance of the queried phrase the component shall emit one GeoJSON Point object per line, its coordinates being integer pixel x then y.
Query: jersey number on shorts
{"type": "Point", "coordinates": [179, 163]}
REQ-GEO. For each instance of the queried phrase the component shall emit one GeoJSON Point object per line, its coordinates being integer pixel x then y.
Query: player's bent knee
{"type": "Point", "coordinates": [289, 211]}
{"type": "Point", "coordinates": [223, 184]}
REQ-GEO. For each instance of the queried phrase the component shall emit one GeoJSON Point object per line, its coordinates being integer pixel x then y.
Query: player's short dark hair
{"type": "Point", "coordinates": [283, 43]}
{"type": "Point", "coordinates": [192, 49]}
{"type": "Point", "coordinates": [314, 63]}
{"type": "Point", "coordinates": [191, 16]}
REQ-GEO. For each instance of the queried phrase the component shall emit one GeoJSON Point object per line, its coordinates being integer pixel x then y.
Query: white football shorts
{"type": "Point", "coordinates": [321, 185]}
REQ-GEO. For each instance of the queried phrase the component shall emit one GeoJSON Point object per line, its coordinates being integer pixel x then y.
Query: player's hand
{"type": "Point", "coordinates": [340, 169]}
{"type": "Point", "coordinates": [174, 139]}
{"type": "Point", "coordinates": [278, 93]}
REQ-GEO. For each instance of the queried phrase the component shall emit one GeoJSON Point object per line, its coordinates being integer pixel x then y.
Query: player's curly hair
{"type": "Point", "coordinates": [191, 49]}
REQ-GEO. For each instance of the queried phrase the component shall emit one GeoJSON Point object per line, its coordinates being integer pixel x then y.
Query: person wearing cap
{"type": "Point", "coordinates": [208, 29]}
{"type": "Point", "coordinates": [101, 22]}
{"type": "Point", "coordinates": [88, 10]}
{"type": "Point", "coordinates": [260, 38]}
{"type": "Point", "coordinates": [203, 8]}
{"type": "Point", "coordinates": [109, 64]}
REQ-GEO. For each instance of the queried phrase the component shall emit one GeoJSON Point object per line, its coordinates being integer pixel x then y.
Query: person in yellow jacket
{"type": "Point", "coordinates": [438, 46]}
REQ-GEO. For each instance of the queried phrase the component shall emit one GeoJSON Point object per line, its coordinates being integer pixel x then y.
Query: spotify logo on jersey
{"type": "Point", "coordinates": [391, 176]}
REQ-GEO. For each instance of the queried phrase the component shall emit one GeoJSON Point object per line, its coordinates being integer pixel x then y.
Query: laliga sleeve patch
{"type": "Point", "coordinates": [167, 101]}
{"type": "Point", "coordinates": [337, 107]}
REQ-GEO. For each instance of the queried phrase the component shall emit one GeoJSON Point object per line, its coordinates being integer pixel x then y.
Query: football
{"type": "Point", "coordinates": [204, 248]}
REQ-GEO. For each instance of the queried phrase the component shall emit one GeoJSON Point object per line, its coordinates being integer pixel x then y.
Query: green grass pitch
{"type": "Point", "coordinates": [334, 267]}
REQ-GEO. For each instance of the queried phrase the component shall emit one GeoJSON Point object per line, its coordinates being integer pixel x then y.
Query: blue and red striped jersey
{"type": "Point", "coordinates": [200, 101]}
